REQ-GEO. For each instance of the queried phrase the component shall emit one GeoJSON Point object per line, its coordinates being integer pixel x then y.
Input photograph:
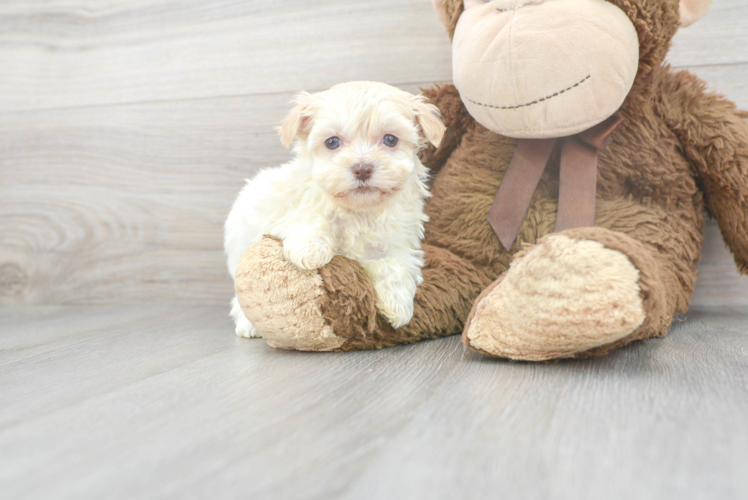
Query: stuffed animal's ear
{"type": "Point", "coordinates": [428, 118]}
{"type": "Point", "coordinates": [299, 120]}
{"type": "Point", "coordinates": [448, 11]}
{"type": "Point", "coordinates": [441, 11]}
{"type": "Point", "coordinates": [692, 10]}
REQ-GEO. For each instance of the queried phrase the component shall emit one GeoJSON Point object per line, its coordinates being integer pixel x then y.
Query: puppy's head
{"type": "Point", "coordinates": [362, 139]}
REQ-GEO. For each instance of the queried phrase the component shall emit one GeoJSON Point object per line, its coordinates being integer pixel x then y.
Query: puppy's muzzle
{"type": "Point", "coordinates": [363, 171]}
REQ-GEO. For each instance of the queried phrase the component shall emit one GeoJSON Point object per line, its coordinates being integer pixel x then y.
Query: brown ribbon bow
{"type": "Point", "coordinates": [577, 181]}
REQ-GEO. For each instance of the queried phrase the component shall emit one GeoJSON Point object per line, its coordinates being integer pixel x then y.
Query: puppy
{"type": "Point", "coordinates": [355, 188]}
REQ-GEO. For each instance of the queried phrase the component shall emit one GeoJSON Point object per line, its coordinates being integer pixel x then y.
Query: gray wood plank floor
{"type": "Point", "coordinates": [124, 402]}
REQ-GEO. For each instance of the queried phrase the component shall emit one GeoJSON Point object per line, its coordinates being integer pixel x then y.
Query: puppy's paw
{"type": "Point", "coordinates": [308, 254]}
{"type": "Point", "coordinates": [395, 303]}
{"type": "Point", "coordinates": [399, 316]}
{"type": "Point", "coordinates": [246, 330]}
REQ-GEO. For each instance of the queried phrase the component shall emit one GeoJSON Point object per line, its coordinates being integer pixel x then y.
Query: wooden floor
{"type": "Point", "coordinates": [157, 401]}
{"type": "Point", "coordinates": [126, 129]}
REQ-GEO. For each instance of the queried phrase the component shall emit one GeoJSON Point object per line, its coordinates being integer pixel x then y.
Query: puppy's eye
{"type": "Point", "coordinates": [390, 141]}
{"type": "Point", "coordinates": [332, 143]}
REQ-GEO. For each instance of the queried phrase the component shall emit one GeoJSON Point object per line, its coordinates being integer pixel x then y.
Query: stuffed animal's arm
{"type": "Point", "coordinates": [714, 136]}
{"type": "Point", "coordinates": [454, 116]}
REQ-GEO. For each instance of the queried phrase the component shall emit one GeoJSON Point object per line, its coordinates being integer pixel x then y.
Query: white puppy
{"type": "Point", "coordinates": [355, 188]}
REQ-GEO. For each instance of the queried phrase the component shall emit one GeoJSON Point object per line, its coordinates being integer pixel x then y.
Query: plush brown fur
{"type": "Point", "coordinates": [446, 296]}
{"type": "Point", "coordinates": [680, 151]}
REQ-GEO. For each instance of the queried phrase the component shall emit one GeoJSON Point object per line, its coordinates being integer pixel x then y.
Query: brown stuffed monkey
{"type": "Point", "coordinates": [607, 159]}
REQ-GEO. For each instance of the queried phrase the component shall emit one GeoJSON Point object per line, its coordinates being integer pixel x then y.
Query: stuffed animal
{"type": "Point", "coordinates": [567, 210]}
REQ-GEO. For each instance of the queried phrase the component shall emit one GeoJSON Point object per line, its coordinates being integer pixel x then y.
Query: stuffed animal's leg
{"type": "Point", "coordinates": [714, 136]}
{"type": "Point", "coordinates": [586, 291]}
{"type": "Point", "coordinates": [334, 308]}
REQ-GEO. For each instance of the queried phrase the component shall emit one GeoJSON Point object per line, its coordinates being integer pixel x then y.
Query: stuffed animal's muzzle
{"type": "Point", "coordinates": [543, 68]}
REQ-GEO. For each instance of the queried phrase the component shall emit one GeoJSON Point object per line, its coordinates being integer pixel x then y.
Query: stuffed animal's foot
{"type": "Point", "coordinates": [283, 302]}
{"type": "Point", "coordinates": [565, 296]}
{"type": "Point", "coordinates": [327, 309]}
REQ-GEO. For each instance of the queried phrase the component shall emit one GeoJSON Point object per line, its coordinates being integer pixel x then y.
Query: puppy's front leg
{"type": "Point", "coordinates": [396, 286]}
{"type": "Point", "coordinates": [309, 246]}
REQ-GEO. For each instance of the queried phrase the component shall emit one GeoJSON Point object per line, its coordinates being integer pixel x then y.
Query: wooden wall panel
{"type": "Point", "coordinates": [127, 204]}
{"type": "Point", "coordinates": [61, 53]}
{"type": "Point", "coordinates": [126, 127]}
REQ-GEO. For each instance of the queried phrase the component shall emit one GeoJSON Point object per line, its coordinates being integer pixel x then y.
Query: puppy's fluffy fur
{"type": "Point", "coordinates": [320, 204]}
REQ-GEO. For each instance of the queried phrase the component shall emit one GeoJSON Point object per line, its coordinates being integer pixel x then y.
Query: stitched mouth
{"type": "Point", "coordinates": [536, 101]}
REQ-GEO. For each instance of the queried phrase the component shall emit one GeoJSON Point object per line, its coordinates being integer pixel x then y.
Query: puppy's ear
{"type": "Point", "coordinates": [299, 120]}
{"type": "Point", "coordinates": [428, 118]}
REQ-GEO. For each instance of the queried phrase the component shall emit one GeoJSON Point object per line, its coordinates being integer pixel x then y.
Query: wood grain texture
{"type": "Point", "coordinates": [64, 53]}
{"type": "Point", "coordinates": [67, 53]}
{"type": "Point", "coordinates": [127, 127]}
{"type": "Point", "coordinates": [120, 402]}
{"type": "Point", "coordinates": [127, 205]}
{"type": "Point", "coordinates": [719, 38]}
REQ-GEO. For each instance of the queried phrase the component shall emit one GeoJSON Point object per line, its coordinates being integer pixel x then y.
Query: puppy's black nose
{"type": "Point", "coordinates": [363, 171]}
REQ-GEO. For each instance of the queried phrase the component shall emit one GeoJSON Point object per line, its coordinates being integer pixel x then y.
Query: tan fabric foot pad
{"type": "Point", "coordinates": [562, 297]}
{"type": "Point", "coordinates": [282, 301]}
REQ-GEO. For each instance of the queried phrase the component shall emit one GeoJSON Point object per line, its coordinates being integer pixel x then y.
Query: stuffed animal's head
{"type": "Point", "coordinates": [361, 139]}
{"type": "Point", "coordinates": [551, 68]}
